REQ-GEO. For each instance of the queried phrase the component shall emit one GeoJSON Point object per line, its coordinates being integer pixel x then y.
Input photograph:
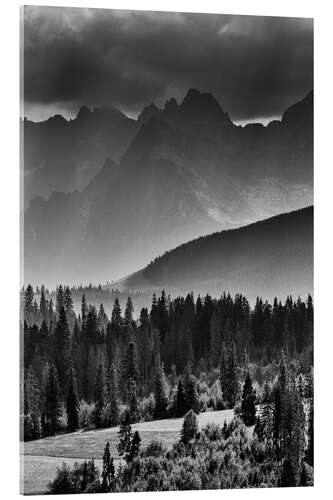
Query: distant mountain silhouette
{"type": "Point", "coordinates": [183, 171]}
{"type": "Point", "coordinates": [267, 258]}
{"type": "Point", "coordinates": [61, 155]}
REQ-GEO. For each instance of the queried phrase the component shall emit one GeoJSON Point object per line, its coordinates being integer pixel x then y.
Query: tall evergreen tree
{"type": "Point", "coordinates": [112, 404]}
{"type": "Point", "coordinates": [125, 437]}
{"type": "Point", "coordinates": [248, 406]}
{"type": "Point", "coordinates": [108, 473]}
{"type": "Point", "coordinates": [28, 304]}
{"type": "Point", "coordinates": [59, 299]}
{"type": "Point", "coordinates": [62, 345]}
{"type": "Point", "coordinates": [160, 393]}
{"type": "Point", "coordinates": [132, 398]}
{"type": "Point", "coordinates": [72, 404]}
{"type": "Point", "coordinates": [99, 397]}
{"type": "Point", "coordinates": [52, 415]}
{"type": "Point", "coordinates": [130, 364]}
{"type": "Point", "coordinates": [84, 309]}
{"type": "Point", "coordinates": [181, 400]}
{"type": "Point", "coordinates": [215, 339]}
{"type": "Point", "coordinates": [189, 428]}
{"type": "Point", "coordinates": [68, 301]}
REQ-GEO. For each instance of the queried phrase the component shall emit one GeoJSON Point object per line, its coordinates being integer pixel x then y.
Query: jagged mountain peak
{"type": "Point", "coordinates": [83, 113]}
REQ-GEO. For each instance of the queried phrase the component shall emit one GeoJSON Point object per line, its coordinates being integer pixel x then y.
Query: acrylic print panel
{"type": "Point", "coordinates": [167, 312]}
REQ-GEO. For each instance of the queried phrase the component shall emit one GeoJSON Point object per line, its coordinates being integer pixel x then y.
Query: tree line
{"type": "Point", "coordinates": [183, 354]}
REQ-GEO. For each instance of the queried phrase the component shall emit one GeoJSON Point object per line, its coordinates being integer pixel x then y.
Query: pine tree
{"type": "Point", "coordinates": [42, 304]}
{"type": "Point", "coordinates": [248, 406]}
{"type": "Point", "coordinates": [135, 445]}
{"type": "Point", "coordinates": [125, 437]}
{"type": "Point", "coordinates": [310, 449]}
{"type": "Point", "coordinates": [59, 299]}
{"type": "Point", "coordinates": [189, 428]}
{"type": "Point", "coordinates": [160, 393]}
{"type": "Point", "coordinates": [132, 398]}
{"type": "Point", "coordinates": [62, 345]}
{"type": "Point", "coordinates": [215, 339]}
{"type": "Point", "coordinates": [28, 304]}
{"type": "Point", "coordinates": [52, 415]}
{"type": "Point", "coordinates": [68, 301]}
{"type": "Point", "coordinates": [128, 320]}
{"type": "Point", "coordinates": [84, 309]}
{"type": "Point", "coordinates": [266, 413]}
{"type": "Point", "coordinates": [228, 374]}
{"type": "Point", "coordinates": [192, 395]}
{"type": "Point", "coordinates": [99, 397]}
{"type": "Point", "coordinates": [130, 364]}
{"type": "Point", "coordinates": [112, 406]}
{"type": "Point", "coordinates": [108, 473]}
{"type": "Point", "coordinates": [72, 404]}
{"type": "Point", "coordinates": [181, 401]}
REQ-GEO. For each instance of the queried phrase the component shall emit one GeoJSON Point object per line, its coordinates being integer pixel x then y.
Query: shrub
{"type": "Point", "coordinates": [189, 428]}
{"type": "Point", "coordinates": [86, 415]}
{"type": "Point", "coordinates": [154, 449]}
{"type": "Point", "coordinates": [147, 407]}
{"type": "Point", "coordinates": [63, 483]}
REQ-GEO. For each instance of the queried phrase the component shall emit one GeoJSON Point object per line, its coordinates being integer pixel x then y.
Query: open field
{"type": "Point", "coordinates": [43, 456]}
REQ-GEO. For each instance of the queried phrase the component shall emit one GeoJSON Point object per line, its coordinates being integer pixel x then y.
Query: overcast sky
{"type": "Point", "coordinates": [255, 66]}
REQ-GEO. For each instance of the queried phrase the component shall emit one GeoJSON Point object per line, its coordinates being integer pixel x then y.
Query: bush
{"type": "Point", "coordinates": [86, 413]}
{"type": "Point", "coordinates": [147, 408]}
{"type": "Point", "coordinates": [190, 427]}
{"type": "Point", "coordinates": [82, 478]}
{"type": "Point", "coordinates": [154, 449]}
{"type": "Point", "coordinates": [62, 484]}
{"type": "Point", "coordinates": [238, 410]}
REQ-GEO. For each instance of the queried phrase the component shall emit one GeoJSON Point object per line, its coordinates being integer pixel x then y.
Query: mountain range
{"type": "Point", "coordinates": [106, 194]}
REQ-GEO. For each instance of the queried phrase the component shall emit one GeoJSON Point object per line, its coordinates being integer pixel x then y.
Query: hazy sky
{"type": "Point", "coordinates": [255, 66]}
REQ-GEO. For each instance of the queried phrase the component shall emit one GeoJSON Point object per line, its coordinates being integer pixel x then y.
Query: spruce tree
{"type": "Point", "coordinates": [112, 405]}
{"type": "Point", "coordinates": [310, 448]}
{"type": "Point", "coordinates": [84, 309]}
{"type": "Point", "coordinates": [72, 404]}
{"type": "Point", "coordinates": [192, 395]}
{"type": "Point", "coordinates": [130, 364]}
{"type": "Point", "coordinates": [99, 397]}
{"type": "Point", "coordinates": [108, 473]}
{"type": "Point", "coordinates": [128, 320]}
{"type": "Point", "coordinates": [52, 415]}
{"type": "Point", "coordinates": [132, 398]}
{"type": "Point", "coordinates": [135, 445]}
{"type": "Point", "coordinates": [28, 304]}
{"type": "Point", "coordinates": [59, 299]}
{"type": "Point", "coordinates": [181, 401]}
{"type": "Point", "coordinates": [160, 393]}
{"type": "Point", "coordinates": [125, 437]}
{"type": "Point", "coordinates": [62, 345]}
{"type": "Point", "coordinates": [215, 339]}
{"type": "Point", "coordinates": [42, 304]}
{"type": "Point", "coordinates": [189, 428]}
{"type": "Point", "coordinates": [248, 407]}
{"type": "Point", "coordinates": [68, 301]}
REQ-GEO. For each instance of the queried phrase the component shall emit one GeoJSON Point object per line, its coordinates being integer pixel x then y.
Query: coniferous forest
{"type": "Point", "coordinates": [181, 357]}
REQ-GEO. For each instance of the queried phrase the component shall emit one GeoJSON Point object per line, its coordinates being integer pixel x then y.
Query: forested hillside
{"type": "Point", "coordinates": [270, 257]}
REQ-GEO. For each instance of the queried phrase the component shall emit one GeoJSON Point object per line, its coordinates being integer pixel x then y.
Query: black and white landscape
{"type": "Point", "coordinates": [167, 310]}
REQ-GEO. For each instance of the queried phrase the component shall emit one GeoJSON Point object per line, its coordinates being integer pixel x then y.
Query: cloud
{"type": "Point", "coordinates": [255, 66]}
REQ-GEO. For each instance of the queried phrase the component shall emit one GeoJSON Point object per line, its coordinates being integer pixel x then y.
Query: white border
{"type": "Point", "coordinates": [9, 245]}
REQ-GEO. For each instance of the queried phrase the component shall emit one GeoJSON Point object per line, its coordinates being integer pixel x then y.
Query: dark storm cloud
{"type": "Point", "coordinates": [255, 66]}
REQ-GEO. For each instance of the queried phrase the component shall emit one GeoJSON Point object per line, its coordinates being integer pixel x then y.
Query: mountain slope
{"type": "Point", "coordinates": [268, 258]}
